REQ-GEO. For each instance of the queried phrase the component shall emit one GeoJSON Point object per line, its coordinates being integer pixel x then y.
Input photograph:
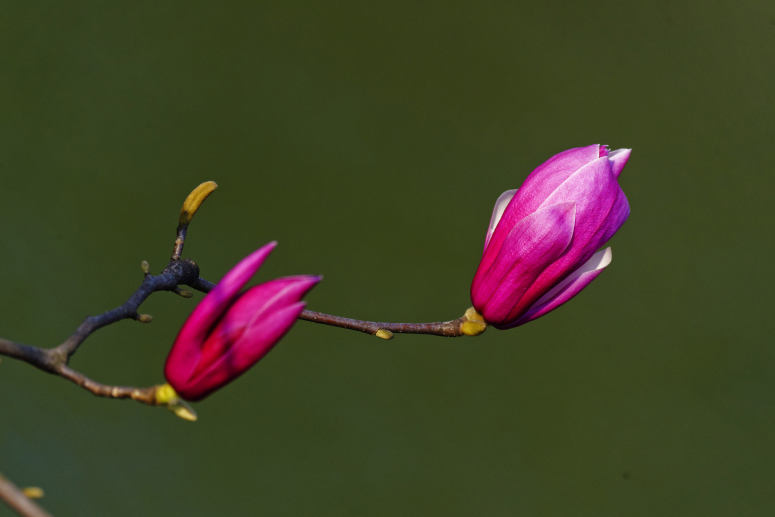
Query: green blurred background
{"type": "Point", "coordinates": [371, 140]}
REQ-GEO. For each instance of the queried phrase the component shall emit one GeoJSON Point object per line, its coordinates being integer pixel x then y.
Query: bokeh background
{"type": "Point", "coordinates": [370, 140]}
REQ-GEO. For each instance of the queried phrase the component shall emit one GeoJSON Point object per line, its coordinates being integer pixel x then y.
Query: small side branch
{"type": "Point", "coordinates": [177, 272]}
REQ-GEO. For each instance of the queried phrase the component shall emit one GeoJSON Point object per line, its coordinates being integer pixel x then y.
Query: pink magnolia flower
{"type": "Point", "coordinates": [542, 245]}
{"type": "Point", "coordinates": [229, 331]}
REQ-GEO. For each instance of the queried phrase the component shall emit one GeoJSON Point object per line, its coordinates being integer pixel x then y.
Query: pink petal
{"type": "Point", "coordinates": [568, 288]}
{"type": "Point", "coordinates": [252, 347]}
{"type": "Point", "coordinates": [253, 308]}
{"type": "Point", "coordinates": [187, 348]}
{"type": "Point", "coordinates": [532, 244]}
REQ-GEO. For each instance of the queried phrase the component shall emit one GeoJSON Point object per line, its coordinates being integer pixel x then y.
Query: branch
{"type": "Point", "coordinates": [55, 360]}
{"type": "Point", "coordinates": [14, 497]}
{"type": "Point", "coordinates": [178, 271]}
{"type": "Point", "coordinates": [469, 324]}
{"type": "Point", "coordinates": [385, 330]}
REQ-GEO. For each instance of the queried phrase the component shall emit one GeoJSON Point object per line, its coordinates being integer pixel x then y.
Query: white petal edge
{"type": "Point", "coordinates": [497, 212]}
{"type": "Point", "coordinates": [618, 160]}
{"type": "Point", "coordinates": [599, 260]}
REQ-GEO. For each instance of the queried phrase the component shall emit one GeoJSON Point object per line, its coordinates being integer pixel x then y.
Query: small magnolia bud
{"type": "Point", "coordinates": [144, 318]}
{"type": "Point", "coordinates": [542, 246]}
{"type": "Point", "coordinates": [185, 293]}
{"type": "Point", "coordinates": [194, 200]}
{"type": "Point", "coordinates": [384, 334]}
{"type": "Point", "coordinates": [184, 411]}
{"type": "Point", "coordinates": [229, 331]}
{"type": "Point", "coordinates": [145, 266]}
{"type": "Point", "coordinates": [33, 492]}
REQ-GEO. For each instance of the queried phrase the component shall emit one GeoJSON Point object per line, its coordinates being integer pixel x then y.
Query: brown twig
{"type": "Point", "coordinates": [14, 497]}
{"type": "Point", "coordinates": [470, 324]}
{"type": "Point", "coordinates": [451, 328]}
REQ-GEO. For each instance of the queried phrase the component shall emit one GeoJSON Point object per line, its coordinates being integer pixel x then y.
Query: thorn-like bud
{"type": "Point", "coordinates": [195, 200]}
{"type": "Point", "coordinates": [144, 318]}
{"type": "Point", "coordinates": [185, 293]}
{"type": "Point", "coordinates": [473, 323]}
{"type": "Point", "coordinates": [166, 396]}
{"type": "Point", "coordinates": [184, 411]}
{"type": "Point", "coordinates": [145, 266]}
{"type": "Point", "coordinates": [384, 334]}
{"type": "Point", "coordinates": [33, 492]}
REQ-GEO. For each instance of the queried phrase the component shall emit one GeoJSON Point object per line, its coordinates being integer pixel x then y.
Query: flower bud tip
{"type": "Point", "coordinates": [144, 318]}
{"type": "Point", "coordinates": [184, 411]}
{"type": "Point", "coordinates": [145, 267]}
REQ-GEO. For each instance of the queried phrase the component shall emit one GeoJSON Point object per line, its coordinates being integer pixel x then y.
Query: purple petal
{"type": "Point", "coordinates": [568, 288]}
{"type": "Point", "coordinates": [595, 191]}
{"type": "Point", "coordinates": [619, 213]}
{"type": "Point", "coordinates": [545, 179]}
{"type": "Point", "coordinates": [532, 244]}
{"type": "Point", "coordinates": [497, 212]}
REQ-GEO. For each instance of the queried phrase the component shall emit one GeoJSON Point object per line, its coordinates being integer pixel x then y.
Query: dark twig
{"type": "Point", "coordinates": [14, 497]}
{"type": "Point", "coordinates": [55, 360]}
{"type": "Point", "coordinates": [39, 357]}
{"type": "Point", "coordinates": [178, 272]}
